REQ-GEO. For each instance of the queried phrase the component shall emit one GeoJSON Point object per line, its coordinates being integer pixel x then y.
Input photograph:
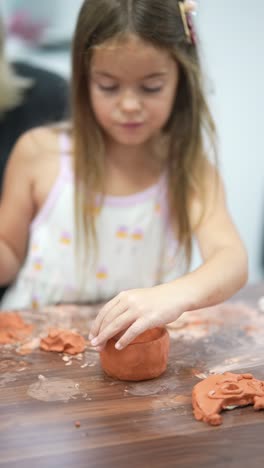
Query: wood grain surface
{"type": "Point", "coordinates": [93, 421]}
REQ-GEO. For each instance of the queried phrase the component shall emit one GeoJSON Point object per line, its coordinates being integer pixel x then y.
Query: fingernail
{"type": "Point", "coordinates": [94, 342]}
{"type": "Point", "coordinates": [118, 346]}
{"type": "Point", "coordinates": [91, 337]}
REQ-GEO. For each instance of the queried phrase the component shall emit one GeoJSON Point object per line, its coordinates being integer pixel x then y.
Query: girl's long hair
{"type": "Point", "coordinates": [158, 22]}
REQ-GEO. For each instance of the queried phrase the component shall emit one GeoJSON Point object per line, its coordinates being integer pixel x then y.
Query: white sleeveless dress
{"type": "Point", "coordinates": [136, 248]}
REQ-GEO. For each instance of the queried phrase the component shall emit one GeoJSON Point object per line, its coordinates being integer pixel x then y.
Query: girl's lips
{"type": "Point", "coordinates": [132, 124]}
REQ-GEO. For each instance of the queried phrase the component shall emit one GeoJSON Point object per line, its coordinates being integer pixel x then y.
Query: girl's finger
{"type": "Point", "coordinates": [101, 315]}
{"type": "Point", "coordinates": [119, 324]}
{"type": "Point", "coordinates": [138, 327]}
{"type": "Point", "coordinates": [110, 317]}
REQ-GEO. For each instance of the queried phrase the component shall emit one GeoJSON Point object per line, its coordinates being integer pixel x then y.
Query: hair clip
{"type": "Point", "coordinates": [187, 9]}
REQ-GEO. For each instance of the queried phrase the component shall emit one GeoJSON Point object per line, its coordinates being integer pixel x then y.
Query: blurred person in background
{"type": "Point", "coordinates": [29, 97]}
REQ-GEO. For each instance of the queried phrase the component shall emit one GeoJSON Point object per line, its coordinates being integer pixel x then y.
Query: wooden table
{"type": "Point", "coordinates": [146, 424]}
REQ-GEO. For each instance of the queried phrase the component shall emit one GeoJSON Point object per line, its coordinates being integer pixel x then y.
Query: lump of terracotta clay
{"type": "Point", "coordinates": [13, 329]}
{"type": "Point", "coordinates": [63, 341]}
{"type": "Point", "coordinates": [145, 358]}
{"type": "Point", "coordinates": [222, 391]}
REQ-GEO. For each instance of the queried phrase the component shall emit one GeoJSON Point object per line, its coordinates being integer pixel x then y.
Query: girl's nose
{"type": "Point", "coordinates": [130, 102]}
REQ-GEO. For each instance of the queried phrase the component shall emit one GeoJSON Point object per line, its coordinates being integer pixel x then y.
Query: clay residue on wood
{"type": "Point", "coordinates": [13, 329]}
{"type": "Point", "coordinates": [54, 389]}
{"type": "Point", "coordinates": [63, 341]}
{"type": "Point", "coordinates": [29, 346]}
{"type": "Point", "coordinates": [225, 391]}
{"type": "Point", "coordinates": [202, 323]}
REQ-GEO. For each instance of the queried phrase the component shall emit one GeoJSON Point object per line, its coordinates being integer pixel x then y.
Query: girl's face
{"type": "Point", "coordinates": [132, 88]}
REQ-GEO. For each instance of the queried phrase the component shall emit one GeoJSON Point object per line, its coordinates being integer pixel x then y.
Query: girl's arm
{"type": "Point", "coordinates": [223, 272]}
{"type": "Point", "coordinates": [16, 208]}
{"type": "Point", "coordinates": [9, 264]}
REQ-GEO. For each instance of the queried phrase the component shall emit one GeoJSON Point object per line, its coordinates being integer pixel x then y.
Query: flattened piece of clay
{"type": "Point", "coordinates": [63, 341]}
{"type": "Point", "coordinates": [13, 329]}
{"type": "Point", "coordinates": [145, 358]}
{"type": "Point", "coordinates": [222, 391]}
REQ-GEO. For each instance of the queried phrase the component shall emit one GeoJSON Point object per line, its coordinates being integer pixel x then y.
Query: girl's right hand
{"type": "Point", "coordinates": [135, 311]}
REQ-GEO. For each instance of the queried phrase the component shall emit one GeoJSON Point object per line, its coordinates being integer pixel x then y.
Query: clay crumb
{"type": "Point", "coordinates": [201, 376]}
{"type": "Point", "coordinates": [84, 365]}
{"type": "Point", "coordinates": [66, 358]}
{"type": "Point", "coordinates": [41, 377]}
{"type": "Point", "coordinates": [77, 424]}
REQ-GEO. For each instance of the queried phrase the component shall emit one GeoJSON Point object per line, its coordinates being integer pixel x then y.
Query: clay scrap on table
{"type": "Point", "coordinates": [63, 341]}
{"type": "Point", "coordinates": [225, 391]}
{"type": "Point", "coordinates": [13, 329]}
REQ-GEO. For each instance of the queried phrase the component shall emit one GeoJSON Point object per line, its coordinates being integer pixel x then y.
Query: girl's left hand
{"type": "Point", "coordinates": [135, 311]}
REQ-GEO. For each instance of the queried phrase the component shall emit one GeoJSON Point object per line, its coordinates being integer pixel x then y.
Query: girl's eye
{"type": "Point", "coordinates": [114, 88]}
{"type": "Point", "coordinates": [108, 89]}
{"type": "Point", "coordinates": [147, 89]}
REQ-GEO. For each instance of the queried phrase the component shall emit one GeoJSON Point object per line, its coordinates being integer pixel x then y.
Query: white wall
{"type": "Point", "coordinates": [232, 36]}
{"type": "Point", "coordinates": [59, 14]}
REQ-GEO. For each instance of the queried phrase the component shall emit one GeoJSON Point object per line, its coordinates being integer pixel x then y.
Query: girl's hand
{"type": "Point", "coordinates": [135, 311]}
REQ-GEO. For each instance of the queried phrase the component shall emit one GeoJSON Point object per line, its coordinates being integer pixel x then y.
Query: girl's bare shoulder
{"type": "Point", "coordinates": [37, 143]}
{"type": "Point", "coordinates": [37, 153]}
{"type": "Point", "coordinates": [38, 149]}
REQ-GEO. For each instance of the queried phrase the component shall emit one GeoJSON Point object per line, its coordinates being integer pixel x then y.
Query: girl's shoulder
{"type": "Point", "coordinates": [38, 152]}
{"type": "Point", "coordinates": [39, 141]}
{"type": "Point", "coordinates": [34, 143]}
{"type": "Point", "coordinates": [40, 145]}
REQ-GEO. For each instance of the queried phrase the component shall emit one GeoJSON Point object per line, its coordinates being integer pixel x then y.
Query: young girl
{"type": "Point", "coordinates": [107, 209]}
